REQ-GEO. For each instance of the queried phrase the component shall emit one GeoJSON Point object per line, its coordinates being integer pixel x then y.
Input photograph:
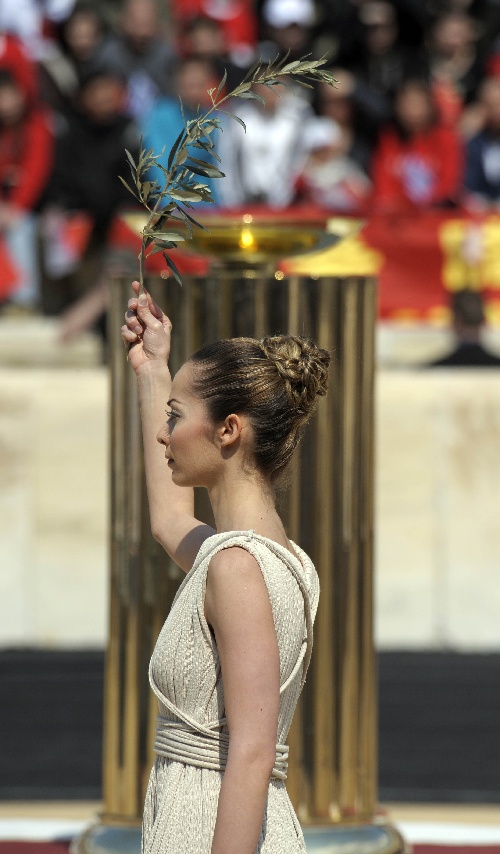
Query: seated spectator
{"type": "Point", "coordinates": [141, 56]}
{"type": "Point", "coordinates": [91, 151]}
{"type": "Point", "coordinates": [384, 63]}
{"type": "Point", "coordinates": [26, 150]}
{"type": "Point", "coordinates": [236, 18]}
{"type": "Point", "coordinates": [194, 76]}
{"type": "Point", "coordinates": [262, 165]}
{"type": "Point", "coordinates": [339, 32]}
{"type": "Point", "coordinates": [81, 40]}
{"type": "Point", "coordinates": [468, 322]}
{"type": "Point", "coordinates": [330, 178]}
{"type": "Point", "coordinates": [359, 112]}
{"type": "Point", "coordinates": [15, 60]}
{"type": "Point", "coordinates": [89, 157]}
{"type": "Point", "coordinates": [482, 171]}
{"type": "Point", "coordinates": [455, 64]}
{"type": "Point", "coordinates": [33, 22]}
{"type": "Point", "coordinates": [289, 28]}
{"type": "Point", "coordinates": [205, 37]}
{"type": "Point", "coordinates": [82, 34]}
{"type": "Point", "coordinates": [418, 161]}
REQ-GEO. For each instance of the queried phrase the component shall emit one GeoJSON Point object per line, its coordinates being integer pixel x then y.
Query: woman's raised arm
{"type": "Point", "coordinates": [147, 331]}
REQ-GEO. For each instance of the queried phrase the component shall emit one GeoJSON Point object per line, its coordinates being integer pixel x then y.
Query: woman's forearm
{"type": "Point", "coordinates": [242, 803]}
{"type": "Point", "coordinates": [166, 500]}
{"type": "Point", "coordinates": [147, 332]}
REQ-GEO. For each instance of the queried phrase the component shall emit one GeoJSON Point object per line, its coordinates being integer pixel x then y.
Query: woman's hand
{"type": "Point", "coordinates": [146, 331]}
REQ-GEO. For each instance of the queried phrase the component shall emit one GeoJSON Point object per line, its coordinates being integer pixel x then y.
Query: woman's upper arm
{"type": "Point", "coordinates": [183, 538]}
{"type": "Point", "coordinates": [238, 608]}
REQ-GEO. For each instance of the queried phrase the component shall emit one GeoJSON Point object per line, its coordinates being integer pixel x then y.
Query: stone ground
{"type": "Point", "coordinates": [422, 824]}
{"type": "Point", "coordinates": [85, 810]}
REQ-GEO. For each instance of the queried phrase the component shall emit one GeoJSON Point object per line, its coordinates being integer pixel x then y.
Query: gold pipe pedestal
{"type": "Point", "coordinates": [327, 505]}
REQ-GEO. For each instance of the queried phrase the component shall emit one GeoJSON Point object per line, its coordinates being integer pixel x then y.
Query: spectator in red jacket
{"type": "Point", "coordinates": [418, 161]}
{"type": "Point", "coordinates": [26, 146]}
{"type": "Point", "coordinates": [15, 60]}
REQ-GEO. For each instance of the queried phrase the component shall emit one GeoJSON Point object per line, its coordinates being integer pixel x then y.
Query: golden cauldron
{"type": "Point", "coordinates": [257, 240]}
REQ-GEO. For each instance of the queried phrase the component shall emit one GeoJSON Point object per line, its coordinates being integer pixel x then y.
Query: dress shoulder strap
{"type": "Point", "coordinates": [247, 540]}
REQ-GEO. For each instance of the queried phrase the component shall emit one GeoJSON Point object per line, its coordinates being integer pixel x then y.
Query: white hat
{"type": "Point", "coordinates": [321, 132]}
{"type": "Point", "coordinates": [283, 13]}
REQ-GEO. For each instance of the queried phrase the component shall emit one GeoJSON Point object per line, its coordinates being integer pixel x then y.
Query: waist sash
{"type": "Point", "coordinates": [174, 740]}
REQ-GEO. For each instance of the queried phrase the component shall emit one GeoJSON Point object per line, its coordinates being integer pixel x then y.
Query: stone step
{"type": "Point", "coordinates": [35, 342]}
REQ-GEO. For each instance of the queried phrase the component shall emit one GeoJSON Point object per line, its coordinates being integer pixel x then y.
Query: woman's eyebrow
{"type": "Point", "coordinates": [173, 400]}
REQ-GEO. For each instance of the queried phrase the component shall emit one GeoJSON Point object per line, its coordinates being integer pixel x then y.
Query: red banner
{"type": "Point", "coordinates": [423, 259]}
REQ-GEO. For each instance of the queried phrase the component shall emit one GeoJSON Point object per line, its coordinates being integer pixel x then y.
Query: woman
{"type": "Point", "coordinates": [232, 656]}
{"type": "Point", "coordinates": [418, 162]}
{"type": "Point", "coordinates": [26, 154]}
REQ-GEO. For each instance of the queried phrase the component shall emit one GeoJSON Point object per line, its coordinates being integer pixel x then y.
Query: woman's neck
{"type": "Point", "coordinates": [244, 503]}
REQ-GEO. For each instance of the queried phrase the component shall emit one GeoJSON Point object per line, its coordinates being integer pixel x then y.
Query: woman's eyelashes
{"type": "Point", "coordinates": [171, 413]}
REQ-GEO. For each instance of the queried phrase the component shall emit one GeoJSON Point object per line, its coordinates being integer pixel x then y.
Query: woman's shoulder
{"type": "Point", "coordinates": [290, 576]}
{"type": "Point", "coordinates": [234, 580]}
{"type": "Point", "coordinates": [268, 553]}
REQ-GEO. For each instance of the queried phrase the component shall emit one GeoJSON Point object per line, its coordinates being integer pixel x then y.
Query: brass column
{"type": "Point", "coordinates": [328, 510]}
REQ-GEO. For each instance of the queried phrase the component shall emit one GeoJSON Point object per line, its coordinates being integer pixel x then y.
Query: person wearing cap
{"type": "Point", "coordinates": [330, 178]}
{"type": "Point", "coordinates": [289, 25]}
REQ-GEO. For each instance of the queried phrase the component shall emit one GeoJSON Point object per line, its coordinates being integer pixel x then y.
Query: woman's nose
{"type": "Point", "coordinates": [163, 436]}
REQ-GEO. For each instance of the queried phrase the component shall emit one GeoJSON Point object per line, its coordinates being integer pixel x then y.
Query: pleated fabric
{"type": "Point", "coordinates": [181, 800]}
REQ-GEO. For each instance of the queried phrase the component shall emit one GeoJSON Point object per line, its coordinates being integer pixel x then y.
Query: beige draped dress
{"type": "Point", "coordinates": [192, 737]}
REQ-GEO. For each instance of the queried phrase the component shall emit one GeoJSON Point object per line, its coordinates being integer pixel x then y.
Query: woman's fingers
{"type": "Point", "coordinates": [154, 307]}
{"type": "Point", "coordinates": [129, 334]}
{"type": "Point", "coordinates": [132, 321]}
{"type": "Point", "coordinates": [146, 326]}
{"type": "Point", "coordinates": [145, 315]}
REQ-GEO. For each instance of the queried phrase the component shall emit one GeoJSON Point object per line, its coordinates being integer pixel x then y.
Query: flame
{"type": "Point", "coordinates": [246, 239]}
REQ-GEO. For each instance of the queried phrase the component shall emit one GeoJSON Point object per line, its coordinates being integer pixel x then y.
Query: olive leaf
{"type": "Point", "coordinates": [168, 206]}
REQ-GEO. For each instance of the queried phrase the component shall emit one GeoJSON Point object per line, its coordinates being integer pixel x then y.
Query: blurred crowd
{"type": "Point", "coordinates": [413, 123]}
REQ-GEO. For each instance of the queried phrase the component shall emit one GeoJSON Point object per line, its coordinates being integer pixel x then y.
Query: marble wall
{"type": "Point", "coordinates": [438, 499]}
{"type": "Point", "coordinates": [53, 507]}
{"type": "Point", "coordinates": [438, 494]}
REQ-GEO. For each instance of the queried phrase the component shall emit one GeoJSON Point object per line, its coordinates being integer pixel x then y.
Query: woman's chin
{"type": "Point", "coordinates": [184, 480]}
{"type": "Point", "coordinates": [179, 480]}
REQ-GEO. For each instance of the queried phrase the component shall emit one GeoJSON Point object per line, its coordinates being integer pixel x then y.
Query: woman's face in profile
{"type": "Point", "coordinates": [188, 435]}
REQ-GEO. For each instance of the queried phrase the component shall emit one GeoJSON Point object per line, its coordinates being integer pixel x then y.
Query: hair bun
{"type": "Point", "coordinates": [302, 365]}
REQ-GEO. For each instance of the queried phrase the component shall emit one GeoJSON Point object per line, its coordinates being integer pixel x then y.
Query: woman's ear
{"type": "Point", "coordinates": [230, 431]}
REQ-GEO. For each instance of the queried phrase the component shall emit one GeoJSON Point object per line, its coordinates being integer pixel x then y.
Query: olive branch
{"type": "Point", "coordinates": [169, 221]}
